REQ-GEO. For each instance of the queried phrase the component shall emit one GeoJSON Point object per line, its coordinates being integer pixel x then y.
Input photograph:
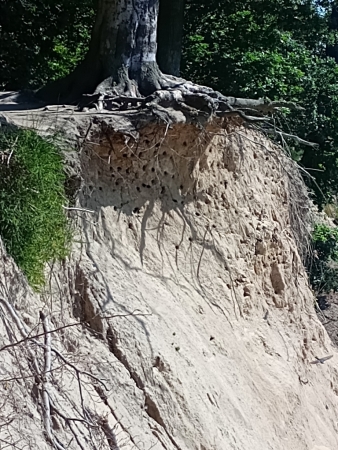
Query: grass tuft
{"type": "Point", "coordinates": [33, 224]}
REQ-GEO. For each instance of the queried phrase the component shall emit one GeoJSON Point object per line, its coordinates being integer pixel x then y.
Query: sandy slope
{"type": "Point", "coordinates": [190, 238]}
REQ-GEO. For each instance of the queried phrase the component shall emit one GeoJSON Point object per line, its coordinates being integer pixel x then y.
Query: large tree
{"type": "Point", "coordinates": [122, 54]}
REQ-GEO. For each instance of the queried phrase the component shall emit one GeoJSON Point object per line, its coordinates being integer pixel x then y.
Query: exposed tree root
{"type": "Point", "coordinates": [178, 100]}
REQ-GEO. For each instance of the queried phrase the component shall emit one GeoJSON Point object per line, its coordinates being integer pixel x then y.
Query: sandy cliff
{"type": "Point", "coordinates": [192, 238]}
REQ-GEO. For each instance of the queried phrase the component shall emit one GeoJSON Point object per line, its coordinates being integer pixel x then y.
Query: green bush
{"type": "Point", "coordinates": [276, 50]}
{"type": "Point", "coordinates": [42, 40]}
{"type": "Point", "coordinates": [323, 269]}
{"type": "Point", "coordinates": [33, 225]}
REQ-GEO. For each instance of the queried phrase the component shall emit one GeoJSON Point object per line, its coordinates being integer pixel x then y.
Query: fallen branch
{"type": "Point", "coordinates": [42, 377]}
{"type": "Point", "coordinates": [45, 384]}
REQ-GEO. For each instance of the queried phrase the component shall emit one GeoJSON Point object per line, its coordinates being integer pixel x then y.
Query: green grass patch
{"type": "Point", "coordinates": [323, 268]}
{"type": "Point", "coordinates": [33, 224]}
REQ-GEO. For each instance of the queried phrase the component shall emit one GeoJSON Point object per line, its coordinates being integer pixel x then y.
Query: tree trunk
{"type": "Point", "coordinates": [169, 36]}
{"type": "Point", "coordinates": [122, 54]}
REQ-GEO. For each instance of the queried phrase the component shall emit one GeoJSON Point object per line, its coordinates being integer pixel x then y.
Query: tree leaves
{"type": "Point", "coordinates": [276, 50]}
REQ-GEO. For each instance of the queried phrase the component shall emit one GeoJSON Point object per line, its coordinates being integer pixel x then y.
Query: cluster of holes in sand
{"type": "Point", "coordinates": [163, 164]}
{"type": "Point", "coordinates": [157, 165]}
{"type": "Point", "coordinates": [170, 166]}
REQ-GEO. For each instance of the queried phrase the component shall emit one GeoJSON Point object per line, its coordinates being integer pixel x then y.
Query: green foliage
{"type": "Point", "coordinates": [276, 50]}
{"type": "Point", "coordinates": [33, 225]}
{"type": "Point", "coordinates": [323, 269]}
{"type": "Point", "coordinates": [42, 40]}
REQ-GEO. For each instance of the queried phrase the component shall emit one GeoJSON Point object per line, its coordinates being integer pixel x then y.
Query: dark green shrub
{"type": "Point", "coordinates": [42, 40]}
{"type": "Point", "coordinates": [323, 269]}
{"type": "Point", "coordinates": [33, 225]}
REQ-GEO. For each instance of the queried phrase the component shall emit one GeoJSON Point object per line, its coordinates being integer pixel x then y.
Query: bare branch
{"type": "Point", "coordinates": [75, 324]}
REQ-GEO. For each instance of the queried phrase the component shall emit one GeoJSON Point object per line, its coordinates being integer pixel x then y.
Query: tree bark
{"type": "Point", "coordinates": [122, 54]}
{"type": "Point", "coordinates": [169, 36]}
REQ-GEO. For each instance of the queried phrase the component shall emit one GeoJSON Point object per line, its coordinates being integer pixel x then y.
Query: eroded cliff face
{"type": "Point", "coordinates": [197, 323]}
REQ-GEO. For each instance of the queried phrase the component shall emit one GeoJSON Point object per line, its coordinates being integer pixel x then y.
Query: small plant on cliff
{"type": "Point", "coordinates": [33, 225]}
{"type": "Point", "coordinates": [323, 269]}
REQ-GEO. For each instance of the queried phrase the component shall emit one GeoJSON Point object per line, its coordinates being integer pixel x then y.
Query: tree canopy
{"type": "Point", "coordinates": [281, 50]}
